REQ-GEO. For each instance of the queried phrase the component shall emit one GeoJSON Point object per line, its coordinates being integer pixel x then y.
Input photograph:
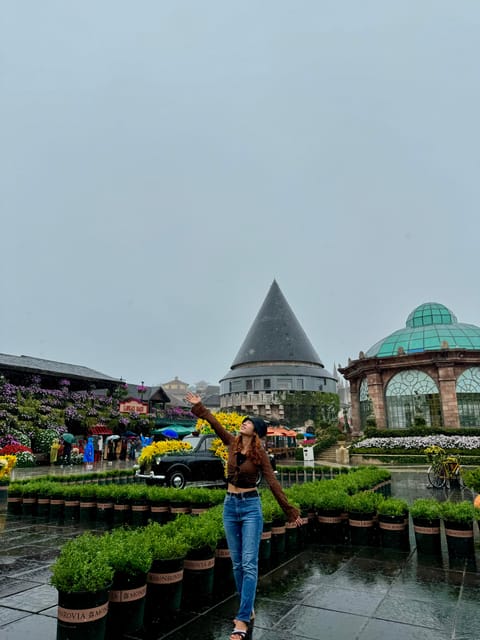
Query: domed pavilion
{"type": "Point", "coordinates": [430, 369]}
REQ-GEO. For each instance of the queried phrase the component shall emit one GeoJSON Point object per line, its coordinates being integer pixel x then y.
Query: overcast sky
{"type": "Point", "coordinates": [161, 162]}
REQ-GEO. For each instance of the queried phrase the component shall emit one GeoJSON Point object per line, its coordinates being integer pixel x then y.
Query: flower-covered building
{"type": "Point", "coordinates": [426, 373]}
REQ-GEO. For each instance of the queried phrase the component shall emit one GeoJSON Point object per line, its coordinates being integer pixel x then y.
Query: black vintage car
{"type": "Point", "coordinates": [198, 464]}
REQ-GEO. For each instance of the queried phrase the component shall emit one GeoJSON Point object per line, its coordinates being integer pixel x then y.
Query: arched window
{"type": "Point", "coordinates": [412, 399]}
{"type": "Point", "coordinates": [366, 407]}
{"type": "Point", "coordinates": [468, 397]}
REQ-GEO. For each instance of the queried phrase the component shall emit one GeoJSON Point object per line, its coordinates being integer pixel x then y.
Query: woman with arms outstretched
{"type": "Point", "coordinates": [242, 511]}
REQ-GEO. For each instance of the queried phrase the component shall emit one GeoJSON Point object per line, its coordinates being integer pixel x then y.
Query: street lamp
{"type": "Point", "coordinates": [141, 390]}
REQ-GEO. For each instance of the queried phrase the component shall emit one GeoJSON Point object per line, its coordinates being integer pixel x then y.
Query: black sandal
{"type": "Point", "coordinates": [241, 633]}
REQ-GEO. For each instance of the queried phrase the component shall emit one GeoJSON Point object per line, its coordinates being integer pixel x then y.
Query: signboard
{"type": "Point", "coordinates": [133, 406]}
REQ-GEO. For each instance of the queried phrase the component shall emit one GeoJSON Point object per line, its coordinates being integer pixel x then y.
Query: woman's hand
{"type": "Point", "coordinates": [192, 398]}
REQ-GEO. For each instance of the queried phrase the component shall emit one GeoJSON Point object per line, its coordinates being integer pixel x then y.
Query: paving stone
{"type": "Point", "coordinates": [34, 600]}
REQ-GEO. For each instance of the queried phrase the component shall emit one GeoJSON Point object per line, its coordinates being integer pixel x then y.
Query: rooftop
{"type": "Point", "coordinates": [429, 327]}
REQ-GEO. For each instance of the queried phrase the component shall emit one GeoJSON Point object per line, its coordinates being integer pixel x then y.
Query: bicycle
{"type": "Point", "coordinates": [444, 469]}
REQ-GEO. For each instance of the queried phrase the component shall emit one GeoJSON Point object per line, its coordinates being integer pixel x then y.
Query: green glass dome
{"type": "Point", "coordinates": [428, 328]}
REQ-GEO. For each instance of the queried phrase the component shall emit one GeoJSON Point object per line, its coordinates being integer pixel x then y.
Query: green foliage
{"type": "Point", "coordinates": [165, 542]}
{"type": "Point", "coordinates": [300, 406]}
{"type": "Point", "coordinates": [471, 478]}
{"type": "Point", "coordinates": [426, 508]}
{"type": "Point", "coordinates": [364, 502]}
{"type": "Point", "coordinates": [199, 532]}
{"type": "Point", "coordinates": [127, 551]}
{"type": "Point", "coordinates": [393, 507]}
{"type": "Point", "coordinates": [461, 512]}
{"type": "Point", "coordinates": [271, 510]}
{"type": "Point", "coordinates": [82, 566]}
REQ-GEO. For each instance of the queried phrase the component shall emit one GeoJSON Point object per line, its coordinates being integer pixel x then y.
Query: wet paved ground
{"type": "Point", "coordinates": [322, 593]}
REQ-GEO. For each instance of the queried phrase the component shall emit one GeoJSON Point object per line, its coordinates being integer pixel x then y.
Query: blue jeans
{"type": "Point", "coordinates": [243, 523]}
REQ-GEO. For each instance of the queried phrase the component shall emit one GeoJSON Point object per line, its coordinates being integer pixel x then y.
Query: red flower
{"type": "Point", "coordinates": [12, 449]}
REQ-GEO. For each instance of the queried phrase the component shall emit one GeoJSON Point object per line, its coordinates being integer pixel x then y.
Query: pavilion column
{"type": "Point", "coordinates": [375, 391]}
{"type": "Point", "coordinates": [355, 407]}
{"type": "Point", "coordinates": [447, 384]}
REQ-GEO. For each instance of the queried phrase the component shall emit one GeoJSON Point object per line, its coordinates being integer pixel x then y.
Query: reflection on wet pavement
{"type": "Point", "coordinates": [341, 593]}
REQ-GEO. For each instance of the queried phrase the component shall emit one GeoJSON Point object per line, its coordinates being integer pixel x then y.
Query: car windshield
{"type": "Point", "coordinates": [192, 440]}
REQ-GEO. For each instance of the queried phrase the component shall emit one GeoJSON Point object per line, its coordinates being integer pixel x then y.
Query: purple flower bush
{"type": "Point", "coordinates": [32, 416]}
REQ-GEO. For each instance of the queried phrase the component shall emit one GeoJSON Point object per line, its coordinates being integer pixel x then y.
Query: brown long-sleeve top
{"type": "Point", "coordinates": [245, 474]}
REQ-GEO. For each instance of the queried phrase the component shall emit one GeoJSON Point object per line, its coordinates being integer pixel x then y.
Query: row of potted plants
{"type": "Point", "coordinates": [121, 504]}
{"type": "Point", "coordinates": [116, 476]}
{"type": "Point", "coordinates": [118, 582]}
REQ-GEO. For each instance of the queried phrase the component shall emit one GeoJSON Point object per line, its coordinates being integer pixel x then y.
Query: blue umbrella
{"type": "Point", "coordinates": [170, 433]}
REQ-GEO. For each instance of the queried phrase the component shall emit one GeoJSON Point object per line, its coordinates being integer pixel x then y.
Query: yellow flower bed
{"type": "Point", "coordinates": [6, 465]}
{"type": "Point", "coordinates": [162, 448]}
{"type": "Point", "coordinates": [231, 422]}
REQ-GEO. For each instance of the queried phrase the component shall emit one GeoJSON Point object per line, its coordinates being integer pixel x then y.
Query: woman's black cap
{"type": "Point", "coordinates": [259, 425]}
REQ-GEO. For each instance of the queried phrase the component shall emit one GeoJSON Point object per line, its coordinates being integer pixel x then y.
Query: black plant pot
{"type": "Point", "coordinates": [362, 529]}
{"type": "Point", "coordinates": [223, 579]}
{"type": "Point", "coordinates": [164, 590]}
{"type": "Point", "coordinates": [104, 513]}
{"type": "Point", "coordinates": [140, 513]}
{"type": "Point", "coordinates": [427, 536]}
{"type": "Point", "coordinates": [126, 604]}
{"type": "Point", "coordinates": [87, 510]}
{"type": "Point", "coordinates": [71, 509]}
{"type": "Point", "coordinates": [14, 505]}
{"type": "Point", "coordinates": [330, 527]}
{"type": "Point", "coordinates": [121, 513]}
{"type": "Point", "coordinates": [265, 549]}
{"type": "Point", "coordinates": [394, 532]}
{"type": "Point", "coordinates": [160, 512]}
{"type": "Point", "coordinates": [278, 539]}
{"type": "Point", "coordinates": [56, 508]}
{"type": "Point", "coordinates": [459, 536]}
{"type": "Point", "coordinates": [198, 578]}
{"type": "Point", "coordinates": [82, 615]}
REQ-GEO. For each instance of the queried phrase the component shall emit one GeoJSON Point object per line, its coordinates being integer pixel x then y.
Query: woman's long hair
{"type": "Point", "coordinates": [254, 450]}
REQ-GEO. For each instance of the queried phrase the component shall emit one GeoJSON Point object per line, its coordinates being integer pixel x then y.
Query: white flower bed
{"type": "Point", "coordinates": [420, 442]}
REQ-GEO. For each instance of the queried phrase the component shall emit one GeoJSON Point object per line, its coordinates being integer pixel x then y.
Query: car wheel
{"type": "Point", "coordinates": [177, 480]}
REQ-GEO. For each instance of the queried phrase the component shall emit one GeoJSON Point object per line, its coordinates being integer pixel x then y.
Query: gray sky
{"type": "Point", "coordinates": [161, 162]}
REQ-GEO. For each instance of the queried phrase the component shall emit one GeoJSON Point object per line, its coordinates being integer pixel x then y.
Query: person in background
{"type": "Point", "coordinates": [54, 451]}
{"type": "Point", "coordinates": [242, 510]}
{"type": "Point", "coordinates": [67, 452]}
{"type": "Point", "coordinates": [88, 453]}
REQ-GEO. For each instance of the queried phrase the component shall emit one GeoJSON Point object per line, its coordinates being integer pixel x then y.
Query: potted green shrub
{"type": "Point", "coordinates": [130, 555]}
{"type": "Point", "coordinates": [278, 529]}
{"type": "Point", "coordinates": [330, 504]}
{"type": "Point", "coordinates": [202, 534]}
{"type": "Point", "coordinates": [140, 508]}
{"type": "Point", "coordinates": [393, 523]}
{"type": "Point", "coordinates": [458, 519]}
{"type": "Point", "coordinates": [82, 576]}
{"type": "Point", "coordinates": [87, 503]}
{"type": "Point", "coordinates": [426, 513]}
{"type": "Point", "coordinates": [165, 577]}
{"type": "Point", "coordinates": [104, 515]}
{"type": "Point", "coordinates": [158, 500]}
{"type": "Point", "coordinates": [200, 500]}
{"type": "Point", "coordinates": [14, 500]}
{"type": "Point", "coordinates": [362, 510]}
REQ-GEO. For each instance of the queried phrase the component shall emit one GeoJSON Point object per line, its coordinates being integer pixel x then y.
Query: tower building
{"type": "Point", "coordinates": [275, 358]}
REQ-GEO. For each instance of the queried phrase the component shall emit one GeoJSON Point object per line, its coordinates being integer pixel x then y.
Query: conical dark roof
{"type": "Point", "coordinates": [276, 335]}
